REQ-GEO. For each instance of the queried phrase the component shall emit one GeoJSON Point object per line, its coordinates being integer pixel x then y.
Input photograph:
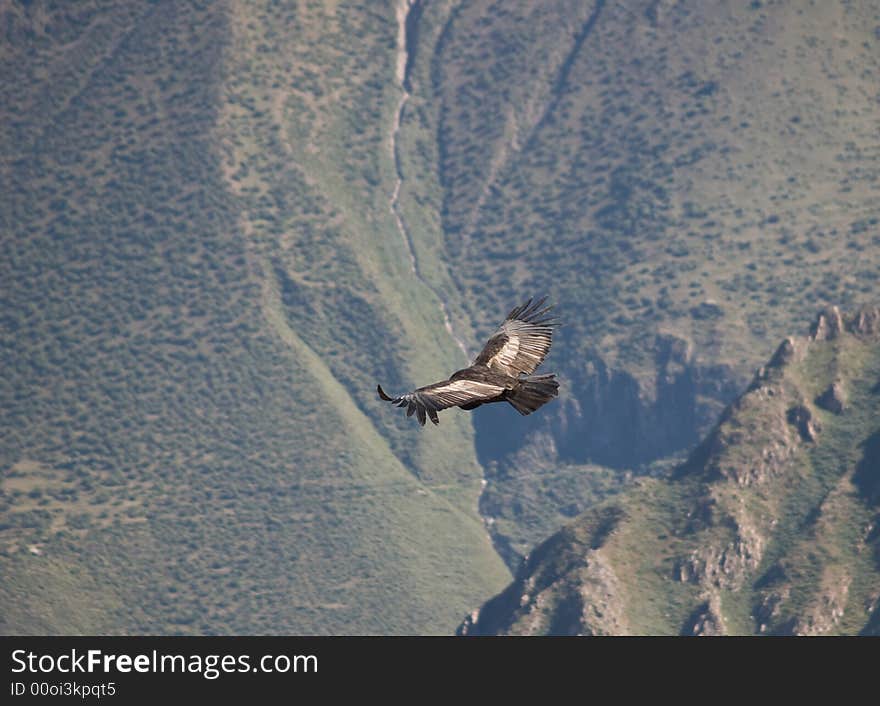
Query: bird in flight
{"type": "Point", "coordinates": [502, 372]}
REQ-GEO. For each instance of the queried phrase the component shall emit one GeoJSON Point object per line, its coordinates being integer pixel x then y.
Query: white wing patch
{"type": "Point", "coordinates": [525, 348]}
{"type": "Point", "coordinates": [427, 401]}
{"type": "Point", "coordinates": [456, 392]}
{"type": "Point", "coordinates": [522, 342]}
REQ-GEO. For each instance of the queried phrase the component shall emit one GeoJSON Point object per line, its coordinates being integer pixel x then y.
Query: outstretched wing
{"type": "Point", "coordinates": [427, 401]}
{"type": "Point", "coordinates": [522, 342]}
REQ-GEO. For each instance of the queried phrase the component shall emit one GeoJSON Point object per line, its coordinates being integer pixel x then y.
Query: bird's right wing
{"type": "Point", "coordinates": [522, 342]}
{"type": "Point", "coordinates": [428, 400]}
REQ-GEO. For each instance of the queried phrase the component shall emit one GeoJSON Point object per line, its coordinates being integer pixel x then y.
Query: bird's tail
{"type": "Point", "coordinates": [533, 391]}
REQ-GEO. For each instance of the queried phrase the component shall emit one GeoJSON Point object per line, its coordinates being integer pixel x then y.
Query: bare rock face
{"type": "Point", "coordinates": [770, 607]}
{"type": "Point", "coordinates": [785, 354]}
{"type": "Point", "coordinates": [828, 325]}
{"type": "Point", "coordinates": [833, 399]}
{"type": "Point", "coordinates": [866, 321]}
{"type": "Point", "coordinates": [706, 620]}
{"type": "Point", "coordinates": [601, 610]}
{"type": "Point", "coordinates": [826, 610]}
{"type": "Point", "coordinates": [467, 626]}
{"type": "Point", "coordinates": [566, 586]}
{"type": "Point", "coordinates": [802, 419]}
{"type": "Point", "coordinates": [716, 566]}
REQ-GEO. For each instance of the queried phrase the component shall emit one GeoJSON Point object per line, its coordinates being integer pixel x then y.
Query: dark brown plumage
{"type": "Point", "coordinates": [502, 372]}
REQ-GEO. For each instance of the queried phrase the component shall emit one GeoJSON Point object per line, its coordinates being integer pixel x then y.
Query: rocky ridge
{"type": "Point", "coordinates": [770, 526]}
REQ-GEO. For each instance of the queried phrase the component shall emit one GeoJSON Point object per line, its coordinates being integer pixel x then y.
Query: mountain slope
{"type": "Point", "coordinates": [683, 178]}
{"type": "Point", "coordinates": [223, 223]}
{"type": "Point", "coordinates": [769, 527]}
{"type": "Point", "coordinates": [198, 262]}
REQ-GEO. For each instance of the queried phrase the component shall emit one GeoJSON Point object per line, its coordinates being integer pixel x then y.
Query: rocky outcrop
{"type": "Point", "coordinates": [567, 586]}
{"type": "Point", "coordinates": [826, 610]}
{"type": "Point", "coordinates": [828, 325]}
{"type": "Point", "coordinates": [785, 354]}
{"type": "Point", "coordinates": [833, 399]}
{"type": "Point", "coordinates": [770, 608]}
{"type": "Point", "coordinates": [866, 322]}
{"type": "Point", "coordinates": [707, 620]}
{"type": "Point", "coordinates": [831, 323]}
{"type": "Point", "coordinates": [724, 566]}
{"type": "Point", "coordinates": [801, 418]}
{"type": "Point", "coordinates": [760, 416]}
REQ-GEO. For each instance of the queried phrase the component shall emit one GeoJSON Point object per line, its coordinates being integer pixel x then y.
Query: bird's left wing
{"type": "Point", "coordinates": [522, 342]}
{"type": "Point", "coordinates": [428, 400]}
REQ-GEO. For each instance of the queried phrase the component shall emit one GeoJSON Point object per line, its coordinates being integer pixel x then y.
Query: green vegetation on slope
{"type": "Point", "coordinates": [684, 179]}
{"type": "Point", "coordinates": [202, 284]}
{"type": "Point", "coordinates": [769, 527]}
{"type": "Point", "coordinates": [203, 279]}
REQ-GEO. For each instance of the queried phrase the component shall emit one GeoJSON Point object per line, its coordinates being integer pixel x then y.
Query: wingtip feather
{"type": "Point", "coordinates": [534, 312]}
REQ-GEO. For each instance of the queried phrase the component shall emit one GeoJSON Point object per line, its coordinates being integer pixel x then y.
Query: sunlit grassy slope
{"type": "Point", "coordinates": [769, 527]}
{"type": "Point", "coordinates": [201, 285]}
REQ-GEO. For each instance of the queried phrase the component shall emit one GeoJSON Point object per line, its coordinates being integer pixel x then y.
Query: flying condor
{"type": "Point", "coordinates": [502, 372]}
